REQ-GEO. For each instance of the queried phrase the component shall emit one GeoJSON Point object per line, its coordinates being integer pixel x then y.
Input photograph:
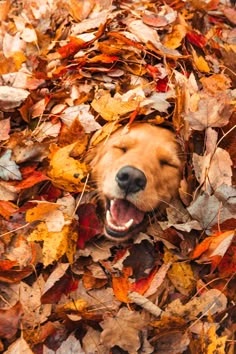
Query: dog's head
{"type": "Point", "coordinates": [137, 170]}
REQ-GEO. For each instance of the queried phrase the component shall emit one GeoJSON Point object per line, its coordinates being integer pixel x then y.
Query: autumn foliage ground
{"type": "Point", "coordinates": [75, 69]}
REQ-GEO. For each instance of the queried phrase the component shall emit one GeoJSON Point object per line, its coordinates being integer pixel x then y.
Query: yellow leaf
{"type": "Point", "coordinates": [78, 305]}
{"type": "Point", "coordinates": [181, 276]}
{"type": "Point", "coordinates": [173, 40]}
{"type": "Point", "coordinates": [104, 132]}
{"type": "Point", "coordinates": [200, 62]}
{"type": "Point", "coordinates": [66, 172]}
{"type": "Point", "coordinates": [111, 108]}
{"type": "Point", "coordinates": [211, 343]}
{"type": "Point", "coordinates": [41, 211]}
{"type": "Point", "coordinates": [55, 244]}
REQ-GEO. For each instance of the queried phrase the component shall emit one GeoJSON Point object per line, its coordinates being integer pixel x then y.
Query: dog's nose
{"type": "Point", "coordinates": [130, 179]}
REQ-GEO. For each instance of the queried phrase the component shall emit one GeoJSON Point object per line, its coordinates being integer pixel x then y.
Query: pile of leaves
{"type": "Point", "coordinates": [80, 68]}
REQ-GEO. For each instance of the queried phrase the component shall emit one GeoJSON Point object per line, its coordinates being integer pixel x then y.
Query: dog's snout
{"type": "Point", "coordinates": [130, 179]}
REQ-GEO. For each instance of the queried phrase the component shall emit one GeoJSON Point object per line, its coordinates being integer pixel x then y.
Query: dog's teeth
{"type": "Point", "coordinates": [108, 216]}
{"type": "Point", "coordinates": [111, 202]}
{"type": "Point", "coordinates": [129, 223]}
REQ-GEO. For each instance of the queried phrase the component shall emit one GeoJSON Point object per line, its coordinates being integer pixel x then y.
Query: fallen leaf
{"type": "Point", "coordinates": [11, 97]}
{"type": "Point", "coordinates": [174, 39]}
{"type": "Point", "coordinates": [113, 330]}
{"type": "Point", "coordinates": [8, 167]}
{"type": "Point", "coordinates": [70, 345]}
{"type": "Point", "coordinates": [82, 112]}
{"type": "Point", "coordinates": [210, 302]}
{"type": "Point", "coordinates": [89, 224]}
{"type": "Point", "coordinates": [182, 277]}
{"type": "Point", "coordinates": [4, 129]}
{"type": "Point", "coordinates": [200, 62]}
{"type": "Point", "coordinates": [19, 346]}
{"type": "Point", "coordinates": [212, 343]}
{"type": "Point", "coordinates": [212, 249]}
{"type": "Point", "coordinates": [208, 210]}
{"type": "Point", "coordinates": [49, 213]}
{"type": "Point", "coordinates": [10, 320]}
{"type": "Point", "coordinates": [213, 170]}
{"type": "Point", "coordinates": [112, 108]}
{"type": "Point", "coordinates": [66, 172]}
{"type": "Point", "coordinates": [55, 244]}
{"type": "Point", "coordinates": [30, 298]}
{"type": "Point", "coordinates": [209, 111]}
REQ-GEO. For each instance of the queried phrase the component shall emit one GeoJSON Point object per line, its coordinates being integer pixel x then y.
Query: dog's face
{"type": "Point", "coordinates": [136, 170]}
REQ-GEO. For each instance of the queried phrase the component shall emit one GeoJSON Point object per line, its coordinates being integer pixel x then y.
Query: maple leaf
{"type": "Point", "coordinates": [209, 111]}
{"type": "Point", "coordinates": [8, 167]}
{"type": "Point", "coordinates": [113, 328]}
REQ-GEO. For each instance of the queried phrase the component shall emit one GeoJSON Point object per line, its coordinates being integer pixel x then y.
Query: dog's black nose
{"type": "Point", "coordinates": [130, 179]}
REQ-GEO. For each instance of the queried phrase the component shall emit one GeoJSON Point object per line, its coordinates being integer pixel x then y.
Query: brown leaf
{"type": "Point", "coordinates": [209, 111]}
{"type": "Point", "coordinates": [9, 320]}
{"type": "Point", "coordinates": [113, 330]}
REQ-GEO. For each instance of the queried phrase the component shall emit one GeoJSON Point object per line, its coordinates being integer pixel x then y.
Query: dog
{"type": "Point", "coordinates": [137, 171]}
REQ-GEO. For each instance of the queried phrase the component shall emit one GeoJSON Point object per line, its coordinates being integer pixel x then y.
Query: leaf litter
{"type": "Point", "coordinates": [72, 71]}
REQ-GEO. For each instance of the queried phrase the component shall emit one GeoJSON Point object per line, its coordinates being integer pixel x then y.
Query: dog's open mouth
{"type": "Point", "coordinates": [122, 218]}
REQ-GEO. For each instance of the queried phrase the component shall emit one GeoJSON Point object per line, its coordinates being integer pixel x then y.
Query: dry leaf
{"type": "Point", "coordinates": [210, 302]}
{"type": "Point", "coordinates": [19, 346]}
{"type": "Point", "coordinates": [65, 171]}
{"type": "Point", "coordinates": [55, 244]}
{"type": "Point", "coordinates": [12, 97]}
{"type": "Point", "coordinates": [4, 129]}
{"type": "Point", "coordinates": [113, 330]}
{"type": "Point", "coordinates": [49, 213]}
{"type": "Point", "coordinates": [112, 108]}
{"type": "Point", "coordinates": [8, 167]}
{"type": "Point", "coordinates": [209, 111]}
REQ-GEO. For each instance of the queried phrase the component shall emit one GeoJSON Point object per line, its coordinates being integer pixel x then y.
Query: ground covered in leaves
{"type": "Point", "coordinates": [70, 69]}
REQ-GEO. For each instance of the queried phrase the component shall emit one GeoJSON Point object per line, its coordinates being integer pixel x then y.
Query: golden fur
{"type": "Point", "coordinates": [148, 148]}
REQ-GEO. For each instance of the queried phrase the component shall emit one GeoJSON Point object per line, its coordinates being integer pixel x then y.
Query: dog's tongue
{"type": "Point", "coordinates": [122, 211]}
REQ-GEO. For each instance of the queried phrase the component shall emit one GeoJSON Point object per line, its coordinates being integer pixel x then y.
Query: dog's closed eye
{"type": "Point", "coordinates": [122, 148]}
{"type": "Point", "coordinates": [165, 162]}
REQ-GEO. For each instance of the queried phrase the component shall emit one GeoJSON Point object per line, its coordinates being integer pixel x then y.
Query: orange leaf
{"type": "Point", "coordinates": [121, 285]}
{"type": "Point", "coordinates": [142, 285]}
{"type": "Point", "coordinates": [71, 48]}
{"type": "Point", "coordinates": [213, 248]}
{"type": "Point", "coordinates": [7, 209]}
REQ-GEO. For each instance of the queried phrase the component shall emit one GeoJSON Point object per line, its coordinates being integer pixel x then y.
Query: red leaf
{"type": "Point", "coordinates": [31, 180]}
{"type": "Point", "coordinates": [142, 285]}
{"type": "Point", "coordinates": [62, 286]}
{"type": "Point", "coordinates": [197, 39]}
{"type": "Point", "coordinates": [162, 85]}
{"type": "Point", "coordinates": [89, 224]}
{"type": "Point", "coordinates": [227, 266]}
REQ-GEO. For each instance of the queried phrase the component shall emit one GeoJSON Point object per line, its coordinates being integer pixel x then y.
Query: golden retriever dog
{"type": "Point", "coordinates": [137, 171]}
